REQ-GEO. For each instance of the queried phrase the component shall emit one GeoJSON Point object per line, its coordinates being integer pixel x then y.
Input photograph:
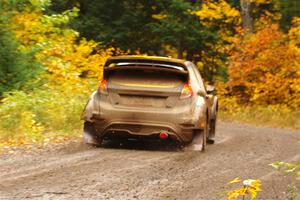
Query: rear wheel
{"type": "Point", "coordinates": [90, 134]}
{"type": "Point", "coordinates": [205, 135]}
{"type": "Point", "coordinates": [212, 132]}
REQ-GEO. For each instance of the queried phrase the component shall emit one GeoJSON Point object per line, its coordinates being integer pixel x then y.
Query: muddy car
{"type": "Point", "coordinates": [151, 97]}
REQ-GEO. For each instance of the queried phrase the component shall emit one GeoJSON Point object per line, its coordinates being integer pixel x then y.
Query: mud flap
{"type": "Point", "coordinates": [198, 143]}
{"type": "Point", "coordinates": [89, 135]}
{"type": "Point", "coordinates": [89, 139]}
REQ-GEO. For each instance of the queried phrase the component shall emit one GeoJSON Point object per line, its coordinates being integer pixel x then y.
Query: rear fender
{"type": "Point", "coordinates": [92, 107]}
{"type": "Point", "coordinates": [200, 112]}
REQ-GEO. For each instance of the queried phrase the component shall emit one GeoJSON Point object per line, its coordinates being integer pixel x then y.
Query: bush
{"type": "Point", "coordinates": [42, 114]}
{"type": "Point", "coordinates": [264, 69]}
{"type": "Point", "coordinates": [278, 115]}
{"type": "Point", "coordinates": [16, 67]}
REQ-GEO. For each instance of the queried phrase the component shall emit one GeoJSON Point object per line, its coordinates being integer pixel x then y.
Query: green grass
{"type": "Point", "coordinates": [43, 114]}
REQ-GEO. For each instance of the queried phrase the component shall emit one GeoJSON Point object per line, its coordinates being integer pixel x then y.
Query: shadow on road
{"type": "Point", "coordinates": [139, 144]}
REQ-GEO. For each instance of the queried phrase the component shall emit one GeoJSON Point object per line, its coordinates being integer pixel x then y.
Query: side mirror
{"type": "Point", "coordinates": [210, 89]}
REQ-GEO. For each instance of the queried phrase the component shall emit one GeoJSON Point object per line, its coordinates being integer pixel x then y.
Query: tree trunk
{"type": "Point", "coordinates": [180, 51]}
{"type": "Point", "coordinates": [246, 15]}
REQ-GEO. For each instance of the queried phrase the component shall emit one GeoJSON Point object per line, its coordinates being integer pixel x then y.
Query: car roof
{"type": "Point", "coordinates": [142, 58]}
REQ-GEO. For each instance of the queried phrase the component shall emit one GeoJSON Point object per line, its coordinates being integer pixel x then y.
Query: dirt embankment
{"type": "Point", "coordinates": [141, 171]}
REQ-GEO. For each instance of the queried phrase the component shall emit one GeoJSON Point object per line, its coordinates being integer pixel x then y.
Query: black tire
{"type": "Point", "coordinates": [205, 135]}
{"type": "Point", "coordinates": [90, 136]}
{"type": "Point", "coordinates": [212, 132]}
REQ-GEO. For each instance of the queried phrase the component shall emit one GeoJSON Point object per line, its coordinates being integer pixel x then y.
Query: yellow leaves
{"type": "Point", "coordinates": [250, 187]}
{"type": "Point", "coordinates": [236, 180]}
{"type": "Point", "coordinates": [219, 10]}
{"type": "Point", "coordinates": [46, 115]}
{"type": "Point", "coordinates": [261, 1]}
{"type": "Point", "coordinates": [72, 67]}
{"type": "Point", "coordinates": [68, 62]}
{"type": "Point", "coordinates": [294, 33]}
{"type": "Point", "coordinates": [234, 194]}
{"type": "Point", "coordinates": [221, 17]}
{"type": "Point", "coordinates": [26, 28]}
{"type": "Point", "coordinates": [31, 129]}
{"type": "Point", "coordinates": [159, 16]}
{"type": "Point", "coordinates": [26, 128]}
{"type": "Point", "coordinates": [264, 69]}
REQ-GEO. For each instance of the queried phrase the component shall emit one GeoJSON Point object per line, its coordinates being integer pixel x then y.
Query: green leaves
{"type": "Point", "coordinates": [287, 168]}
{"type": "Point", "coordinates": [40, 4]}
{"type": "Point", "coordinates": [16, 67]}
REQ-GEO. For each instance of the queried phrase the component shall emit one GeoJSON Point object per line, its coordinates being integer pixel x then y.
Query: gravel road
{"type": "Point", "coordinates": [154, 171]}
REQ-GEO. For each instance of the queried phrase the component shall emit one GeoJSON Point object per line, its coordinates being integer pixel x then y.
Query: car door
{"type": "Point", "coordinates": [199, 80]}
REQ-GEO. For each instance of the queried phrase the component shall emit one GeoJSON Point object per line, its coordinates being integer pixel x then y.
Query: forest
{"type": "Point", "coordinates": [52, 53]}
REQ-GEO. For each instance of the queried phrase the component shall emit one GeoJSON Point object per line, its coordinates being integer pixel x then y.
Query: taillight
{"type": "Point", "coordinates": [187, 91]}
{"type": "Point", "coordinates": [163, 135]}
{"type": "Point", "coordinates": [102, 87]}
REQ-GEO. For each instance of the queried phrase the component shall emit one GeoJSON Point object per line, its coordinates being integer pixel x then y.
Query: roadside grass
{"type": "Point", "coordinates": [42, 116]}
{"type": "Point", "coordinates": [277, 117]}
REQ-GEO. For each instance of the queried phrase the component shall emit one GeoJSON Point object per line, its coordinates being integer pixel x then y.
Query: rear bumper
{"type": "Point", "coordinates": [179, 122]}
{"type": "Point", "coordinates": [135, 128]}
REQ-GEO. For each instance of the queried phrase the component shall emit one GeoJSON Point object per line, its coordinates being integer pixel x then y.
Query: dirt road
{"type": "Point", "coordinates": [137, 171]}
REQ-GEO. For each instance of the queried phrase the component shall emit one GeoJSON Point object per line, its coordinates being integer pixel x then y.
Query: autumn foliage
{"type": "Point", "coordinates": [46, 63]}
{"type": "Point", "coordinates": [265, 70]}
{"type": "Point", "coordinates": [71, 69]}
{"type": "Point", "coordinates": [68, 59]}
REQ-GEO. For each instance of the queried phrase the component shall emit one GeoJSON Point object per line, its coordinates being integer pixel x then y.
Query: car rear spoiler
{"type": "Point", "coordinates": [145, 65]}
{"type": "Point", "coordinates": [170, 63]}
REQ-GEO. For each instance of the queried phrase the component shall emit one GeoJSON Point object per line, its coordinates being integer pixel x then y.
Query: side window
{"type": "Point", "coordinates": [193, 79]}
{"type": "Point", "coordinates": [198, 76]}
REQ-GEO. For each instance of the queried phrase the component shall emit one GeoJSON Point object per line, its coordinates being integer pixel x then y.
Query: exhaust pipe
{"type": "Point", "coordinates": [163, 135]}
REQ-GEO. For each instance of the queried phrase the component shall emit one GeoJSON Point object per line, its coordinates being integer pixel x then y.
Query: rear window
{"type": "Point", "coordinates": [146, 77]}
